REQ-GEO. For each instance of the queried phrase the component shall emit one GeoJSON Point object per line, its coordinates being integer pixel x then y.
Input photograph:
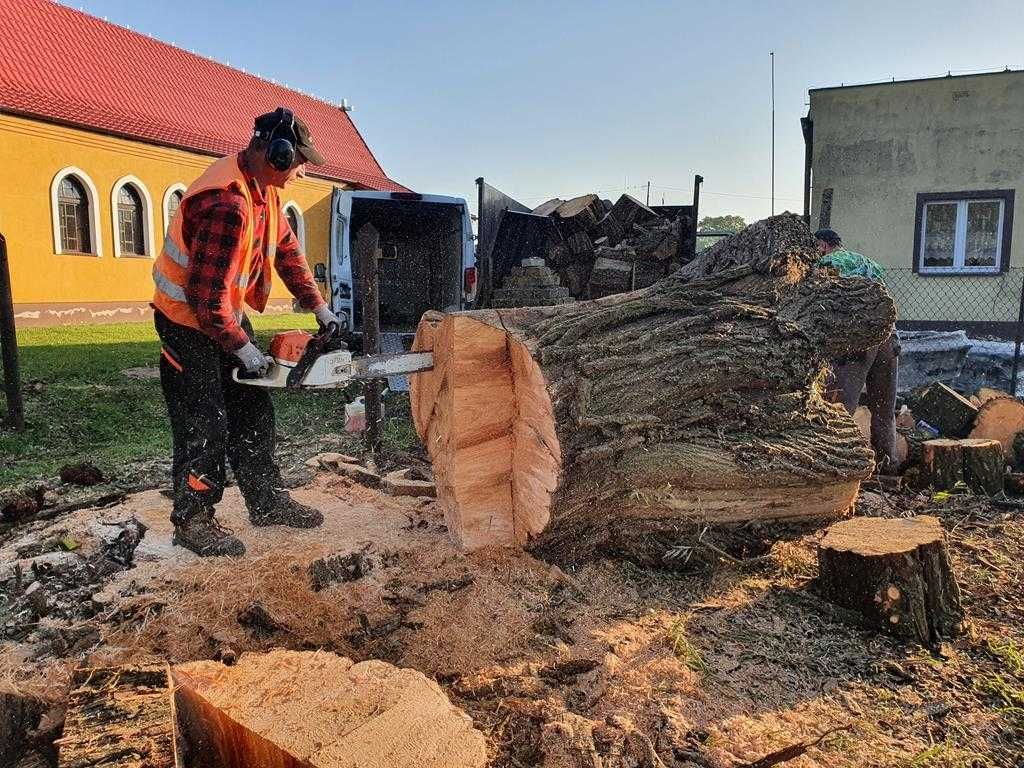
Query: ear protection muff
{"type": "Point", "coordinates": [281, 145]}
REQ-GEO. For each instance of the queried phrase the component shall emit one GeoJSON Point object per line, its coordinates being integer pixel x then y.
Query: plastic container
{"type": "Point", "coordinates": [355, 415]}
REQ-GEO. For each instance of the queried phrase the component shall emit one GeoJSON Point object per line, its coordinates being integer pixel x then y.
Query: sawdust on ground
{"type": "Point", "coordinates": [713, 668]}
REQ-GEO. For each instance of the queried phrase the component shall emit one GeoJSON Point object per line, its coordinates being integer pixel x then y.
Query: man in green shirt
{"type": "Point", "coordinates": [875, 369]}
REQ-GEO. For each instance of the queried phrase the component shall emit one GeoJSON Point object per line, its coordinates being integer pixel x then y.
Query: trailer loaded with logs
{"type": "Point", "coordinates": [593, 246]}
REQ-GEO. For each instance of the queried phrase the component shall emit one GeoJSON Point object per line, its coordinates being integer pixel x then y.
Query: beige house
{"type": "Point", "coordinates": [922, 176]}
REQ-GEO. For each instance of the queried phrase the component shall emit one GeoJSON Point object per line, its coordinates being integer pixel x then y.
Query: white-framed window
{"type": "Point", "coordinates": [172, 200]}
{"type": "Point", "coordinates": [74, 207]}
{"type": "Point", "coordinates": [293, 214]}
{"type": "Point", "coordinates": [131, 209]}
{"type": "Point", "coordinates": [963, 233]}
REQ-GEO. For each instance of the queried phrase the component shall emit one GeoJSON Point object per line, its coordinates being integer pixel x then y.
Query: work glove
{"type": "Point", "coordinates": [254, 361]}
{"type": "Point", "coordinates": [325, 317]}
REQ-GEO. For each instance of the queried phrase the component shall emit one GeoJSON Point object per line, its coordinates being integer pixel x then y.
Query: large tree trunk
{"type": "Point", "coordinates": [621, 421]}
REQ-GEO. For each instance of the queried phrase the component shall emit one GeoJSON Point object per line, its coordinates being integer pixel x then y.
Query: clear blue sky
{"type": "Point", "coordinates": [549, 99]}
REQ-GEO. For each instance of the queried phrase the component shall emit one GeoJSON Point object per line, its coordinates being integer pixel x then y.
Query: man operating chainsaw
{"type": "Point", "coordinates": [216, 259]}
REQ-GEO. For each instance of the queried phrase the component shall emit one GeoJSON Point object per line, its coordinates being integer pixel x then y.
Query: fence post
{"type": "Point", "coordinates": [9, 345]}
{"type": "Point", "coordinates": [367, 239]}
{"type": "Point", "coordinates": [1019, 336]}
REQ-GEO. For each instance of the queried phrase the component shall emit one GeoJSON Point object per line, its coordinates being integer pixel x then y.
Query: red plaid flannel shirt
{"type": "Point", "coordinates": [213, 223]}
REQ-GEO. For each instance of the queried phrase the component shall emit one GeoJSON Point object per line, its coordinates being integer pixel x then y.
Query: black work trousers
{"type": "Point", "coordinates": [877, 371]}
{"type": "Point", "coordinates": [214, 417]}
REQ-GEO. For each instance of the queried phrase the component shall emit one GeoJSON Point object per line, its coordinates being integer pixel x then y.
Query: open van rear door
{"type": "Point", "coordinates": [427, 255]}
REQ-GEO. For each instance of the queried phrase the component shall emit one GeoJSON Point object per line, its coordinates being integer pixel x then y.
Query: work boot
{"type": "Point", "coordinates": [202, 534]}
{"type": "Point", "coordinates": [284, 510]}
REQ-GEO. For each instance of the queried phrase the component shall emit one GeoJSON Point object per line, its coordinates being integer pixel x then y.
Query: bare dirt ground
{"type": "Point", "coordinates": [604, 665]}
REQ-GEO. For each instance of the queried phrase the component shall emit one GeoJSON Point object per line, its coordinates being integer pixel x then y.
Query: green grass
{"type": "Point", "coordinates": [80, 406]}
{"type": "Point", "coordinates": [685, 650]}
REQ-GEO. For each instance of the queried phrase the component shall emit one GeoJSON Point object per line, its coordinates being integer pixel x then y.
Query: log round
{"type": "Point", "coordinates": [942, 463]}
{"type": "Point", "coordinates": [999, 418]}
{"type": "Point", "coordinates": [984, 465]}
{"type": "Point", "coordinates": [896, 573]}
{"type": "Point", "coordinates": [617, 422]}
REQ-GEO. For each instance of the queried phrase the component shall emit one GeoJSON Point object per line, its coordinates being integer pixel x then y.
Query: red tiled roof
{"type": "Point", "coordinates": [62, 65]}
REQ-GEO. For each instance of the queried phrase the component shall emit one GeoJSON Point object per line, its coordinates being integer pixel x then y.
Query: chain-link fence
{"type": "Point", "coordinates": [962, 329]}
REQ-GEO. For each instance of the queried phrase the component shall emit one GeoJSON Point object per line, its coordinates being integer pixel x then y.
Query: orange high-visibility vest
{"type": "Point", "coordinates": [171, 270]}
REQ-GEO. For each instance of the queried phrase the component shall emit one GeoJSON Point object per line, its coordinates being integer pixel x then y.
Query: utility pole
{"type": "Point", "coordinates": [648, 194]}
{"type": "Point", "coordinates": [773, 132]}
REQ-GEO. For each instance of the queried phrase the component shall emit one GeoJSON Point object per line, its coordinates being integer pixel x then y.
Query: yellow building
{"type": "Point", "coordinates": [102, 129]}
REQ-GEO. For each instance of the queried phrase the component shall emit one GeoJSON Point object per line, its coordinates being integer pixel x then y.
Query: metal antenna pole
{"type": "Point", "coordinates": [773, 132]}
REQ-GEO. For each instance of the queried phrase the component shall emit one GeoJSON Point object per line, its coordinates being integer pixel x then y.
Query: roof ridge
{"type": "Point", "coordinates": [198, 55]}
{"type": "Point", "coordinates": [71, 67]}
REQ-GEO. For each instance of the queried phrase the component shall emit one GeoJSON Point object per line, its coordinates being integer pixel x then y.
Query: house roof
{"type": "Point", "coordinates": [64, 66]}
{"type": "Point", "coordinates": [894, 81]}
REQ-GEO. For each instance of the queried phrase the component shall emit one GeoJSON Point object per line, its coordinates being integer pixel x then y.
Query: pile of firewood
{"type": "Point", "coordinates": [598, 249]}
{"type": "Point", "coordinates": [949, 440]}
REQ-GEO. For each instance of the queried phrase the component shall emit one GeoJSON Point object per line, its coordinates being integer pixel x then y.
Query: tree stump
{"type": "Point", "coordinates": [621, 421]}
{"type": "Point", "coordinates": [896, 572]}
{"type": "Point", "coordinates": [984, 465]}
{"type": "Point", "coordinates": [942, 463]}
{"type": "Point", "coordinates": [119, 716]}
{"type": "Point", "coordinates": [946, 410]}
{"type": "Point", "coordinates": [289, 709]}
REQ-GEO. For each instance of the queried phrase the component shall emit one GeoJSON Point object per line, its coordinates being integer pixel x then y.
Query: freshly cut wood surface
{"type": "Point", "coordinates": [290, 709]}
{"type": "Point", "coordinates": [1000, 418]}
{"type": "Point", "coordinates": [985, 394]}
{"type": "Point", "coordinates": [896, 572]}
{"type": "Point", "coordinates": [562, 428]}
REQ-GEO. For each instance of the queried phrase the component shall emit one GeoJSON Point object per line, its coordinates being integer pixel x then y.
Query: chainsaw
{"type": "Point", "coordinates": [300, 360]}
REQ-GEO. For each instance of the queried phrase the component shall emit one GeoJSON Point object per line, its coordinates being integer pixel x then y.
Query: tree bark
{"type": "Point", "coordinates": [984, 465]}
{"type": "Point", "coordinates": [581, 214]}
{"type": "Point", "coordinates": [621, 421]}
{"type": "Point", "coordinates": [119, 716]}
{"type": "Point", "coordinates": [946, 410]}
{"type": "Point", "coordinates": [896, 572]}
{"type": "Point", "coordinates": [942, 464]}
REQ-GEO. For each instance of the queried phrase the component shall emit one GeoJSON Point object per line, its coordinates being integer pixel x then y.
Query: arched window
{"type": "Point", "coordinates": [295, 219]}
{"type": "Point", "coordinates": [172, 201]}
{"type": "Point", "coordinates": [73, 204]}
{"type": "Point", "coordinates": [129, 222]}
{"type": "Point", "coordinates": [132, 211]}
{"type": "Point", "coordinates": [73, 211]}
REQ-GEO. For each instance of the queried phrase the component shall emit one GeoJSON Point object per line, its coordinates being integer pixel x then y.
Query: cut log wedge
{"type": "Point", "coordinates": [1000, 418]}
{"type": "Point", "coordinates": [580, 214]}
{"type": "Point", "coordinates": [288, 709]}
{"type": "Point", "coordinates": [896, 573]}
{"type": "Point", "coordinates": [694, 399]}
{"type": "Point", "coordinates": [946, 410]}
